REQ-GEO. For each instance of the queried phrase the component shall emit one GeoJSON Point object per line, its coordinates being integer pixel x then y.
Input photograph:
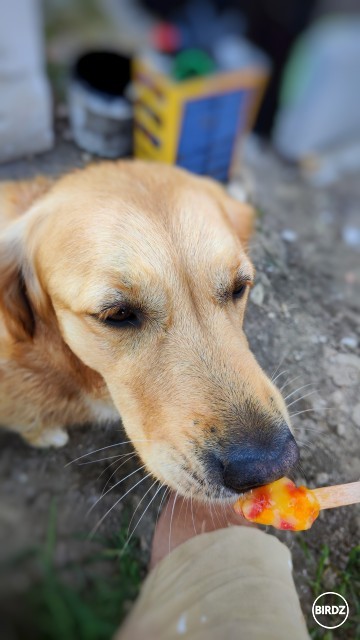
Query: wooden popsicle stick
{"type": "Point", "coordinates": [337, 496]}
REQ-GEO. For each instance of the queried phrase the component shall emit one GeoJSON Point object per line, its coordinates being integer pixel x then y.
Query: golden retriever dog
{"type": "Point", "coordinates": [123, 289]}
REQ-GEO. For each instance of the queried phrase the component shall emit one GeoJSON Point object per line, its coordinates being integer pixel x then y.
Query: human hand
{"type": "Point", "coordinates": [182, 519]}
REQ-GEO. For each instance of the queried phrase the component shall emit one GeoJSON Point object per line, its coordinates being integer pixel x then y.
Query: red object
{"type": "Point", "coordinates": [166, 37]}
{"type": "Point", "coordinates": [261, 502]}
{"type": "Point", "coordinates": [286, 525]}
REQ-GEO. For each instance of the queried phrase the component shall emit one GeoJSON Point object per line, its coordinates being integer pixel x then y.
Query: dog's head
{"type": "Point", "coordinates": [146, 271]}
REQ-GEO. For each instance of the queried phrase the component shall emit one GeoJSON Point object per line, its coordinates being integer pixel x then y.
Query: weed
{"type": "Point", "coordinates": [75, 601]}
{"type": "Point", "coordinates": [347, 584]}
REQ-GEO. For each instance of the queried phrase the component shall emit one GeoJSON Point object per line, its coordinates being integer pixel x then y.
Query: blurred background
{"type": "Point", "coordinates": [184, 81]}
{"type": "Point", "coordinates": [264, 96]}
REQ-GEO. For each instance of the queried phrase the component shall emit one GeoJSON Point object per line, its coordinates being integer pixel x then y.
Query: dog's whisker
{"type": "Point", "coordinates": [215, 504]}
{"type": "Point", "coordinates": [222, 508]}
{"type": "Point", "coordinates": [298, 413]}
{"type": "Point", "coordinates": [313, 430]}
{"type": "Point", "coordinates": [107, 468]}
{"type": "Point", "coordinates": [166, 492]}
{"type": "Point", "coordinates": [301, 398]}
{"type": "Point", "coordinates": [187, 507]}
{"type": "Point", "coordinates": [99, 523]}
{"type": "Point", "coordinates": [286, 384]}
{"type": "Point", "coordinates": [284, 357]}
{"type": "Point", "coordinates": [142, 515]}
{"type": "Point", "coordinates": [115, 485]}
{"type": "Point", "coordinates": [217, 513]}
{"type": "Point", "coordinates": [302, 472]}
{"type": "Point", "coordinates": [168, 502]}
{"type": "Point", "coordinates": [211, 513]}
{"type": "Point", "coordinates": [292, 475]}
{"type": "Point", "coordinates": [181, 507]}
{"type": "Point", "coordinates": [272, 377]}
{"type": "Point", "coordinates": [171, 519]}
{"type": "Point", "coordinates": [192, 512]}
{"type": "Point", "coordinates": [292, 415]}
{"type": "Point", "coordinates": [104, 471]}
{"type": "Point", "coordinates": [109, 446]}
{"type": "Point", "coordinates": [139, 503]}
{"type": "Point", "coordinates": [297, 390]}
{"type": "Point", "coordinates": [121, 455]}
{"type": "Point", "coordinates": [304, 444]}
{"type": "Point", "coordinates": [114, 472]}
{"type": "Point", "coordinates": [315, 438]}
{"type": "Point", "coordinates": [278, 375]}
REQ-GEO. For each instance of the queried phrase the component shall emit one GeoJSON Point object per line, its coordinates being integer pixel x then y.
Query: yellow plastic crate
{"type": "Point", "coordinates": [194, 123]}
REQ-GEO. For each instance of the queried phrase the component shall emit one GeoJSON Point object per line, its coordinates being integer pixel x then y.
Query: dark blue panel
{"type": "Point", "coordinates": [193, 162]}
{"type": "Point", "coordinates": [230, 112]}
{"type": "Point", "coordinates": [197, 155]}
{"type": "Point", "coordinates": [196, 125]}
{"type": "Point", "coordinates": [208, 130]}
{"type": "Point", "coordinates": [220, 161]}
{"type": "Point", "coordinates": [220, 174]}
{"type": "Point", "coordinates": [220, 149]}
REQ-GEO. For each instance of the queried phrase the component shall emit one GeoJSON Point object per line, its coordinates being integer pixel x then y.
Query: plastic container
{"type": "Point", "coordinates": [100, 113]}
{"type": "Point", "coordinates": [195, 122]}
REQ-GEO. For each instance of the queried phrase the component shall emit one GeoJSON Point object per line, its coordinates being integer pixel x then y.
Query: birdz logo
{"type": "Point", "coordinates": [330, 610]}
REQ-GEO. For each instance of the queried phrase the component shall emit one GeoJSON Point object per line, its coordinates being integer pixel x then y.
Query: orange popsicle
{"type": "Point", "coordinates": [285, 506]}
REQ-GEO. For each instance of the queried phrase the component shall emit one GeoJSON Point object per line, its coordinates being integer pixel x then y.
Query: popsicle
{"type": "Point", "coordinates": [285, 506]}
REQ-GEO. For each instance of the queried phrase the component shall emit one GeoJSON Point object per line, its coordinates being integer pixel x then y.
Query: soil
{"type": "Point", "coordinates": [303, 319]}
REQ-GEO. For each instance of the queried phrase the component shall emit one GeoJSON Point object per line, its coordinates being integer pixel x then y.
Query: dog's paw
{"type": "Point", "coordinates": [55, 437]}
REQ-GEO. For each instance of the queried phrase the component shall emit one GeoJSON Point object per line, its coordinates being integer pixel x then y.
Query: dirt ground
{"type": "Point", "coordinates": [303, 319]}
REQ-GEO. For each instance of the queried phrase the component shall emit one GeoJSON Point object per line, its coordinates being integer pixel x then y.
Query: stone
{"type": "Point", "coordinates": [257, 294]}
{"type": "Point", "coordinates": [349, 341]}
{"type": "Point", "coordinates": [285, 310]}
{"type": "Point", "coordinates": [318, 339]}
{"type": "Point", "coordinates": [333, 418]}
{"type": "Point", "coordinates": [341, 430]}
{"type": "Point", "coordinates": [322, 478]}
{"type": "Point", "coordinates": [344, 370]}
{"type": "Point", "coordinates": [351, 236]}
{"type": "Point", "coordinates": [289, 235]}
{"type": "Point", "coordinates": [330, 579]}
{"type": "Point", "coordinates": [23, 478]}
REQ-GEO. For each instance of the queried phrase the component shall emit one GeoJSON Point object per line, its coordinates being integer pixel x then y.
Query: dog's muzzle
{"type": "Point", "coordinates": [254, 461]}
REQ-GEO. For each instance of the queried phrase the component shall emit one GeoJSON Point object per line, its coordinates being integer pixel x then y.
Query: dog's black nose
{"type": "Point", "coordinates": [258, 462]}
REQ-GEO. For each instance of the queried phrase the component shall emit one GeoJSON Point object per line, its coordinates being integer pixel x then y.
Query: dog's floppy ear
{"type": "Point", "coordinates": [16, 197]}
{"type": "Point", "coordinates": [240, 214]}
{"type": "Point", "coordinates": [15, 307]}
{"type": "Point", "coordinates": [15, 271]}
{"type": "Point", "coordinates": [242, 218]}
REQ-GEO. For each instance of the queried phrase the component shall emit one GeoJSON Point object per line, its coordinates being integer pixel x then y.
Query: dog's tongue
{"type": "Point", "coordinates": [280, 504]}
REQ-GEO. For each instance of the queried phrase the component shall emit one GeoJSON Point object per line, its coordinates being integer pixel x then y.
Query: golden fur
{"type": "Point", "coordinates": [170, 245]}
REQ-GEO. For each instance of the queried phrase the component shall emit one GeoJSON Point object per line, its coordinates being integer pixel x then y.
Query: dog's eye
{"type": "Point", "coordinates": [121, 317]}
{"type": "Point", "coordinates": [239, 291]}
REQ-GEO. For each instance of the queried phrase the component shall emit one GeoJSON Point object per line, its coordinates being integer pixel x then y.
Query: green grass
{"type": "Point", "coordinates": [87, 600]}
{"type": "Point", "coordinates": [347, 584]}
{"type": "Point", "coordinates": [77, 602]}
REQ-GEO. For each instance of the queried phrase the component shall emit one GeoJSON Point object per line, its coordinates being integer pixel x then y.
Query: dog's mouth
{"type": "Point", "coordinates": [222, 473]}
{"type": "Point", "coordinates": [201, 486]}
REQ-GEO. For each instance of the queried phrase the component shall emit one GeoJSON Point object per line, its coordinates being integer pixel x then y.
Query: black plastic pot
{"type": "Point", "coordinates": [100, 113]}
